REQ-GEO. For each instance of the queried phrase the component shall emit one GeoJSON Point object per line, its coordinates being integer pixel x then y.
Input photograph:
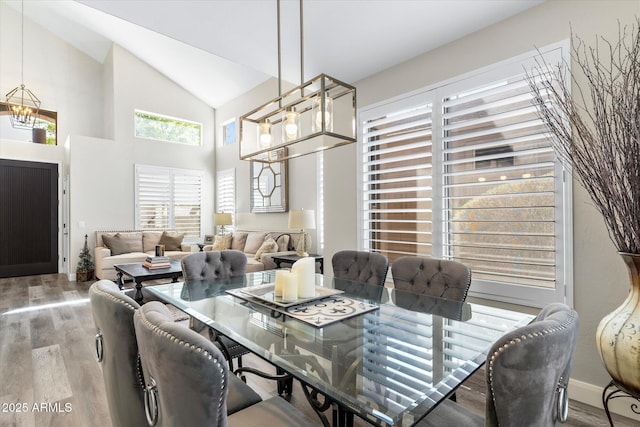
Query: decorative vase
{"type": "Point", "coordinates": [618, 334]}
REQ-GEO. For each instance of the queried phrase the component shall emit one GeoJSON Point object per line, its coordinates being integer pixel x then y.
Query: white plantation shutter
{"type": "Point", "coordinates": [169, 199]}
{"type": "Point", "coordinates": [397, 188]}
{"type": "Point", "coordinates": [226, 194]}
{"type": "Point", "coordinates": [187, 189]}
{"type": "Point", "coordinates": [153, 199]}
{"type": "Point", "coordinates": [465, 171]}
{"type": "Point", "coordinates": [499, 185]}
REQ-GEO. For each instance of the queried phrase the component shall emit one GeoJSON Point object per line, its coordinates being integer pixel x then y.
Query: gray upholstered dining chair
{"type": "Point", "coordinates": [360, 266]}
{"type": "Point", "coordinates": [435, 277]}
{"type": "Point", "coordinates": [186, 379]}
{"type": "Point", "coordinates": [117, 353]}
{"type": "Point", "coordinates": [216, 265]}
{"type": "Point", "coordinates": [527, 373]}
{"type": "Point", "coordinates": [213, 265]}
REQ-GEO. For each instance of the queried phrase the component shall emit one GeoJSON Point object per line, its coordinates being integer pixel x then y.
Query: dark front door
{"type": "Point", "coordinates": [28, 218]}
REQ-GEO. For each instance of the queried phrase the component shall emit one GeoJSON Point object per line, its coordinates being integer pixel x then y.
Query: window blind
{"type": "Point", "coordinates": [168, 199]}
{"type": "Point", "coordinates": [397, 188]}
{"type": "Point", "coordinates": [498, 187]}
{"type": "Point", "coordinates": [464, 170]}
{"type": "Point", "coordinates": [226, 193]}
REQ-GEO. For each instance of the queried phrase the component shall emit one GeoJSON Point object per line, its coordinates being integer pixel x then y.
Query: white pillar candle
{"type": "Point", "coordinates": [281, 277]}
{"type": "Point", "coordinates": [289, 287]}
{"type": "Point", "coordinates": [304, 272]}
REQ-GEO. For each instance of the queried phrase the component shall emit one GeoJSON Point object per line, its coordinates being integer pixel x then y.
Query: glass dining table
{"type": "Point", "coordinates": [387, 356]}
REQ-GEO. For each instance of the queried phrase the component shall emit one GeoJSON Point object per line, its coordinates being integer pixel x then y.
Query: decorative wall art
{"type": "Point", "coordinates": [269, 189]}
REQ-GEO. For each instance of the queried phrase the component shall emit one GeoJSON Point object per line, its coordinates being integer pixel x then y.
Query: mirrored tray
{"type": "Point", "coordinates": [266, 293]}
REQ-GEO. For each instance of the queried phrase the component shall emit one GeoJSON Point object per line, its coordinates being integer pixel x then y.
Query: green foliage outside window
{"type": "Point", "coordinates": [162, 128]}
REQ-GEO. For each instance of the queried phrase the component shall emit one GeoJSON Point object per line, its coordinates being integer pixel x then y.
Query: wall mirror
{"type": "Point", "coordinates": [45, 119]}
{"type": "Point", "coordinates": [269, 187]}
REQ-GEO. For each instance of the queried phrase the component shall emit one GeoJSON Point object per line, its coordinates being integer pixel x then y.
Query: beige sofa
{"type": "Point", "coordinates": [105, 260]}
{"type": "Point", "coordinates": [249, 242]}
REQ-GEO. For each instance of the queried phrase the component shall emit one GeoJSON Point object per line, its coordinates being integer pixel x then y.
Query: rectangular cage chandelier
{"type": "Point", "coordinates": [317, 115]}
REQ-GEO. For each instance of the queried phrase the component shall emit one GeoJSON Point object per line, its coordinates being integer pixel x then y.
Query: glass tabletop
{"type": "Point", "coordinates": [389, 366]}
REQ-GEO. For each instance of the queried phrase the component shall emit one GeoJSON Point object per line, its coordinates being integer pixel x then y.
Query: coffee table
{"type": "Point", "coordinates": [139, 273]}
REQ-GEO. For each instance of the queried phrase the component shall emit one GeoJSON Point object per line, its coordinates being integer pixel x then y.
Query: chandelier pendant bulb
{"type": "Point", "coordinates": [302, 120]}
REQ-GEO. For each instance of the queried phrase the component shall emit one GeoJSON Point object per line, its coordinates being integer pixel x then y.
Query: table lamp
{"type": "Point", "coordinates": [222, 219]}
{"type": "Point", "coordinates": [302, 219]}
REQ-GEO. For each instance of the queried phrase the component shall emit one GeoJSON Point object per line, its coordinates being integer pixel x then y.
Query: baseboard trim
{"type": "Point", "coordinates": [592, 395]}
{"type": "Point", "coordinates": [71, 277]}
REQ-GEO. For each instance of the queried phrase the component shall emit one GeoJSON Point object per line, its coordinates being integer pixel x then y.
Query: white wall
{"type": "Point", "coordinates": [102, 170]}
{"type": "Point", "coordinates": [302, 171]}
{"type": "Point", "coordinates": [600, 277]}
{"type": "Point", "coordinates": [64, 79]}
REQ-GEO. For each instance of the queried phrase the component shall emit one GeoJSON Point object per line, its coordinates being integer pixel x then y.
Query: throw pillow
{"type": "Point", "coordinates": [268, 247]}
{"type": "Point", "coordinates": [171, 241]}
{"type": "Point", "coordinates": [282, 239]}
{"type": "Point", "coordinates": [119, 244]}
{"type": "Point", "coordinates": [222, 242]}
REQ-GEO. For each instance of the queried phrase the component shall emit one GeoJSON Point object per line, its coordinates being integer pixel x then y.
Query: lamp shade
{"type": "Point", "coordinates": [302, 219]}
{"type": "Point", "coordinates": [223, 219]}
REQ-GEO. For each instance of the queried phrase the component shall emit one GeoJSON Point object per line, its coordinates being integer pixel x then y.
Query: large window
{"type": "Point", "coordinates": [465, 171]}
{"type": "Point", "coordinates": [165, 128]}
{"type": "Point", "coordinates": [169, 199]}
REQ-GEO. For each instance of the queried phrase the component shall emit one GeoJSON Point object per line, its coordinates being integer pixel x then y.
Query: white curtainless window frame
{"type": "Point", "coordinates": [226, 194]}
{"type": "Point", "coordinates": [464, 170]}
{"type": "Point", "coordinates": [159, 127]}
{"type": "Point", "coordinates": [168, 198]}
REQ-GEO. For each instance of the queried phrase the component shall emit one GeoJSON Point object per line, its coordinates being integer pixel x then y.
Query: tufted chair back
{"type": "Point", "coordinates": [213, 265]}
{"type": "Point", "coordinates": [435, 277]}
{"type": "Point", "coordinates": [359, 266]}
{"type": "Point", "coordinates": [185, 374]}
{"type": "Point", "coordinates": [187, 382]}
{"type": "Point", "coordinates": [117, 352]}
{"type": "Point", "coordinates": [528, 370]}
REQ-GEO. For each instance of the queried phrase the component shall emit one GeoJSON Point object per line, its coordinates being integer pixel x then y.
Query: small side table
{"type": "Point", "coordinates": [290, 259]}
{"type": "Point", "coordinates": [201, 245]}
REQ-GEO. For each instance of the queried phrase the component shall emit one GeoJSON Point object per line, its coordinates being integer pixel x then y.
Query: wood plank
{"type": "Point", "coordinates": [50, 383]}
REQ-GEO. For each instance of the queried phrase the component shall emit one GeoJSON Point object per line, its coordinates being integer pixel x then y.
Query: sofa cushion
{"type": "Point", "coordinates": [254, 241]}
{"type": "Point", "coordinates": [267, 247]}
{"type": "Point", "coordinates": [254, 265]}
{"type": "Point", "coordinates": [171, 240]}
{"type": "Point", "coordinates": [122, 243]}
{"type": "Point", "coordinates": [222, 242]}
{"type": "Point", "coordinates": [150, 239]}
{"type": "Point", "coordinates": [239, 240]}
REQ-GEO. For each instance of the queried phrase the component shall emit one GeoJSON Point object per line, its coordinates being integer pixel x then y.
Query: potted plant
{"type": "Point", "coordinates": [85, 269]}
{"type": "Point", "coordinates": [596, 130]}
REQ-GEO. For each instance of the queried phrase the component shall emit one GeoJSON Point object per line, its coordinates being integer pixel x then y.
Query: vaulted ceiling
{"type": "Point", "coordinates": [219, 49]}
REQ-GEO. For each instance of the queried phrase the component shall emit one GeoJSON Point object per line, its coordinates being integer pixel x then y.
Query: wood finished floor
{"type": "Point", "coordinates": [47, 358]}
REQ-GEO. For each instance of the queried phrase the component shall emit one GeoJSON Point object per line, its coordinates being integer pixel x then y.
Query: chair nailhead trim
{"type": "Point", "coordinates": [156, 329]}
{"type": "Point", "coordinates": [501, 349]}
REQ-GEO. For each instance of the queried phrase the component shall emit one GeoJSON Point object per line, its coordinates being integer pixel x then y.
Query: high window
{"type": "Point", "coordinates": [465, 171]}
{"type": "Point", "coordinates": [165, 128]}
{"type": "Point", "coordinates": [169, 198]}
